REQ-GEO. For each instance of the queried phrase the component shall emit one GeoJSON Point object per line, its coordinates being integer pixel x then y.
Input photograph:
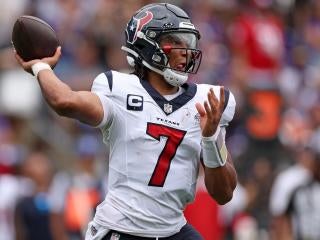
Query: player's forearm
{"type": "Point", "coordinates": [57, 94]}
{"type": "Point", "coordinates": [221, 182]}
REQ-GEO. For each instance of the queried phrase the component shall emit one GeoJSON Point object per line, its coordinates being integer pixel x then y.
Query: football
{"type": "Point", "coordinates": [33, 38]}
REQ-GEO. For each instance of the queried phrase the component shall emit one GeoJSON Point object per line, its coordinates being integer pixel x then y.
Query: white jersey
{"type": "Point", "coordinates": [283, 187]}
{"type": "Point", "coordinates": [154, 153]}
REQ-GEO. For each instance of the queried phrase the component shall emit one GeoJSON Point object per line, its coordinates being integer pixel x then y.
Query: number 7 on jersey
{"type": "Point", "coordinates": [174, 138]}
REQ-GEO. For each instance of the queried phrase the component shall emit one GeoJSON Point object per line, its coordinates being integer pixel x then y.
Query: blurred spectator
{"type": "Point", "coordinates": [245, 227]}
{"type": "Point", "coordinates": [75, 195]}
{"type": "Point", "coordinates": [257, 44]}
{"type": "Point", "coordinates": [257, 48]}
{"type": "Point", "coordinates": [33, 213]}
{"type": "Point", "coordinates": [257, 41]}
{"type": "Point", "coordinates": [234, 218]}
{"type": "Point", "coordinates": [9, 11]}
{"type": "Point", "coordinates": [295, 196]}
{"type": "Point", "coordinates": [12, 188]}
{"type": "Point", "coordinates": [26, 100]}
{"type": "Point", "coordinates": [82, 63]}
{"type": "Point", "coordinates": [211, 17]}
{"type": "Point", "coordinates": [12, 184]}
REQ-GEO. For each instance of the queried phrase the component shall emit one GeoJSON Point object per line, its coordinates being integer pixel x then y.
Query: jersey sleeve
{"type": "Point", "coordinates": [229, 109]}
{"type": "Point", "coordinates": [102, 87]}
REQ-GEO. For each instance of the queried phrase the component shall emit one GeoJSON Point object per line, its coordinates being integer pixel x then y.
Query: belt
{"type": "Point", "coordinates": [114, 235]}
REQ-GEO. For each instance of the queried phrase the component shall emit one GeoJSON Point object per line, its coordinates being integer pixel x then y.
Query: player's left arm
{"type": "Point", "coordinates": [221, 181]}
{"type": "Point", "coordinates": [220, 174]}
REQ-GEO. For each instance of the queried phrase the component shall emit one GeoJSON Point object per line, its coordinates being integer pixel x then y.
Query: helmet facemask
{"type": "Point", "coordinates": [182, 45]}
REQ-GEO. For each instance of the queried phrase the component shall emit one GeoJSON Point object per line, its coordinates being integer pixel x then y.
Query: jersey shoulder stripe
{"type": "Point", "coordinates": [101, 84]}
{"type": "Point", "coordinates": [111, 82]}
{"type": "Point", "coordinates": [226, 98]}
{"type": "Point", "coordinates": [229, 109]}
{"type": "Point", "coordinates": [110, 79]}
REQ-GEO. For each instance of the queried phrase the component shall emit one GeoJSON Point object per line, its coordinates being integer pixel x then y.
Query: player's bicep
{"type": "Point", "coordinates": [92, 108]}
{"type": "Point", "coordinates": [87, 108]}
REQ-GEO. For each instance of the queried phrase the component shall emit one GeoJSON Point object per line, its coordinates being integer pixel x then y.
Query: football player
{"type": "Point", "coordinates": [157, 126]}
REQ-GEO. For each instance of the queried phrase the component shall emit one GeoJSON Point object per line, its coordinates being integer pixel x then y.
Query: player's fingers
{"type": "Point", "coordinates": [200, 110]}
{"type": "Point", "coordinates": [19, 59]}
{"type": "Point", "coordinates": [208, 109]}
{"type": "Point", "coordinates": [23, 64]}
{"type": "Point", "coordinates": [52, 61]}
{"type": "Point", "coordinates": [222, 99]}
{"type": "Point", "coordinates": [213, 101]}
{"type": "Point", "coordinates": [213, 95]}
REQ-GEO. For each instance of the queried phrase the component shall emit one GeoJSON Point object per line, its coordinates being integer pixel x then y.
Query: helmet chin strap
{"type": "Point", "coordinates": [172, 77]}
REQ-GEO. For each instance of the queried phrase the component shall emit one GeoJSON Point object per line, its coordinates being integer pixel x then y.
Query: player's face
{"type": "Point", "coordinates": [181, 50]}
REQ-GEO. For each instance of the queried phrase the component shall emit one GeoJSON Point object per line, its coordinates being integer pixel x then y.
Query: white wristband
{"type": "Point", "coordinates": [214, 154]}
{"type": "Point", "coordinates": [39, 66]}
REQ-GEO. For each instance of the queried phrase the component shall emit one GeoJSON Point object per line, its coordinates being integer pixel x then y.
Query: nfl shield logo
{"type": "Point", "coordinates": [115, 236]}
{"type": "Point", "coordinates": [167, 108]}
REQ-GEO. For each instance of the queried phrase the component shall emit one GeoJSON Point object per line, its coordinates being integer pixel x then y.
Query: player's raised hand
{"type": "Point", "coordinates": [52, 61]}
{"type": "Point", "coordinates": [210, 112]}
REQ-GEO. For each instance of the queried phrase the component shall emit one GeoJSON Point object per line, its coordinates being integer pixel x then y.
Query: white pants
{"type": "Point", "coordinates": [95, 231]}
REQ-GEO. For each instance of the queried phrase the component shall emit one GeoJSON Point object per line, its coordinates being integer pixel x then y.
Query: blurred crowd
{"type": "Point", "coordinates": [267, 52]}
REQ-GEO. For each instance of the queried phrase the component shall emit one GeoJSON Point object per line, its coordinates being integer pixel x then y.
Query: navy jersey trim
{"type": "Point", "coordinates": [110, 79]}
{"type": "Point", "coordinates": [177, 102]}
{"type": "Point", "coordinates": [226, 98]}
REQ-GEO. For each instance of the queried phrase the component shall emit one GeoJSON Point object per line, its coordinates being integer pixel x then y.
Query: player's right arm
{"type": "Point", "coordinates": [82, 105]}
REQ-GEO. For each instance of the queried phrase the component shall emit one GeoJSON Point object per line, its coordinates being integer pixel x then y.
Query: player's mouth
{"type": "Point", "coordinates": [181, 67]}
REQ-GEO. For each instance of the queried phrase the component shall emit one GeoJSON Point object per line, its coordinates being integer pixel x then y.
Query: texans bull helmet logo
{"type": "Point", "coordinates": [136, 25]}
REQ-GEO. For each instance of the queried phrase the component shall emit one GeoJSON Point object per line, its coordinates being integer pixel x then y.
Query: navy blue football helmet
{"type": "Point", "coordinates": [159, 22]}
